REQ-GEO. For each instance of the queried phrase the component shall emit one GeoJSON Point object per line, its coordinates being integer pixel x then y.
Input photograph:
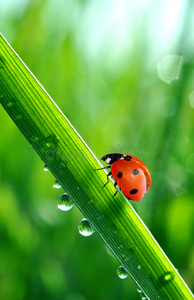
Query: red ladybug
{"type": "Point", "coordinates": [130, 174]}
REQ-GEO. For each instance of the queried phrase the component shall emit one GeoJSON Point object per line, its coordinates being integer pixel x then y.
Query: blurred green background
{"type": "Point", "coordinates": [123, 73]}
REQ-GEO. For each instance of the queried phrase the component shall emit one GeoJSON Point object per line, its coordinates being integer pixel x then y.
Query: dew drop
{"type": "Point", "coordinates": [139, 267]}
{"type": "Point", "coordinates": [92, 201]}
{"type": "Point", "coordinates": [18, 117]}
{"type": "Point", "coordinates": [48, 145]}
{"type": "Point", "coordinates": [100, 217]}
{"type": "Point", "coordinates": [125, 257]}
{"type": "Point", "coordinates": [168, 276]}
{"type": "Point", "coordinates": [64, 202]}
{"type": "Point", "coordinates": [143, 297]}
{"type": "Point", "coordinates": [122, 273]}
{"type": "Point", "coordinates": [56, 184]}
{"type": "Point", "coordinates": [9, 104]}
{"type": "Point", "coordinates": [46, 168]}
{"type": "Point", "coordinates": [85, 228]}
{"type": "Point", "coordinates": [121, 246]}
{"type": "Point", "coordinates": [35, 139]}
{"type": "Point", "coordinates": [63, 164]}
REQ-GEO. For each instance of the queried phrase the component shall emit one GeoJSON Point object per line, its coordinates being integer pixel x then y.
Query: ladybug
{"type": "Point", "coordinates": [130, 174]}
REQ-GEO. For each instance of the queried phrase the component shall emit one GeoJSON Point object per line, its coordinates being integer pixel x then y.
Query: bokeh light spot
{"type": "Point", "coordinates": [191, 99]}
{"type": "Point", "coordinates": [166, 106]}
{"type": "Point", "coordinates": [169, 68]}
{"type": "Point", "coordinates": [190, 163]}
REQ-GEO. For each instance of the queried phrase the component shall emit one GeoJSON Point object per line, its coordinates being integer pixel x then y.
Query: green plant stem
{"type": "Point", "coordinates": [72, 163]}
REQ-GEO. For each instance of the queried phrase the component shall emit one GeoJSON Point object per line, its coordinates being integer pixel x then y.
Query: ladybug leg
{"type": "Point", "coordinates": [115, 193]}
{"type": "Point", "coordinates": [117, 189]}
{"type": "Point", "coordinates": [107, 179]}
{"type": "Point", "coordinates": [102, 168]}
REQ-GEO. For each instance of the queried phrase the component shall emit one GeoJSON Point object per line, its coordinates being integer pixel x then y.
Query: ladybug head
{"type": "Point", "coordinates": [111, 158]}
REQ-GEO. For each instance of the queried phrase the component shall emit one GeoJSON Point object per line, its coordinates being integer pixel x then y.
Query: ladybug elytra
{"type": "Point", "coordinates": [130, 174]}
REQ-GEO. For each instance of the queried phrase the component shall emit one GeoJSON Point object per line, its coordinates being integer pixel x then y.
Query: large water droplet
{"type": "Point", "coordinates": [56, 184]}
{"type": "Point", "coordinates": [46, 168]}
{"type": "Point", "coordinates": [85, 228]}
{"type": "Point", "coordinates": [122, 273]}
{"type": "Point", "coordinates": [64, 202]}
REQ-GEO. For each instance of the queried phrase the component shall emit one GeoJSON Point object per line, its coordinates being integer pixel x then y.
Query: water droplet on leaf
{"type": "Point", "coordinates": [35, 139]}
{"type": "Point", "coordinates": [56, 184]}
{"type": "Point", "coordinates": [122, 273]}
{"type": "Point", "coordinates": [139, 267]}
{"type": "Point", "coordinates": [18, 117]}
{"type": "Point", "coordinates": [143, 297]}
{"type": "Point", "coordinates": [46, 168]}
{"type": "Point", "coordinates": [168, 276]}
{"type": "Point", "coordinates": [85, 228]}
{"type": "Point", "coordinates": [63, 164]}
{"type": "Point", "coordinates": [10, 103]}
{"type": "Point", "coordinates": [64, 202]}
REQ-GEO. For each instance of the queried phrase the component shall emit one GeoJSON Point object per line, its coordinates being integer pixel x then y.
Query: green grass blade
{"type": "Point", "coordinates": [72, 163]}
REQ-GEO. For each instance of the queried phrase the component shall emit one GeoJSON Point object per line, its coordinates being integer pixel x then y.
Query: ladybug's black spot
{"type": "Point", "coordinates": [128, 157]}
{"type": "Point", "coordinates": [120, 174]}
{"type": "Point", "coordinates": [135, 172]}
{"type": "Point", "coordinates": [128, 198]}
{"type": "Point", "coordinates": [134, 191]}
